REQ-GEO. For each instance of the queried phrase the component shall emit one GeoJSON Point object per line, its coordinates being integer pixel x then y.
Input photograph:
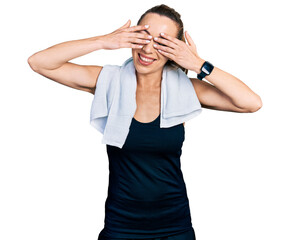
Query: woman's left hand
{"type": "Point", "coordinates": [185, 55]}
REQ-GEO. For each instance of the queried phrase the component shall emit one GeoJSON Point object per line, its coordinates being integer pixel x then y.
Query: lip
{"type": "Point", "coordinates": [143, 62]}
{"type": "Point", "coordinates": [146, 56]}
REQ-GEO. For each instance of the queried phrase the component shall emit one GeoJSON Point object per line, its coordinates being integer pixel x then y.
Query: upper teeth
{"type": "Point", "coordinates": [146, 59]}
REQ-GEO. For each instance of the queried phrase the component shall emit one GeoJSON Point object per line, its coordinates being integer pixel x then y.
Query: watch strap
{"type": "Point", "coordinates": [201, 75]}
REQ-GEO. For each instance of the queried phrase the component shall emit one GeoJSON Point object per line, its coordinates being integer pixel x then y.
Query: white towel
{"type": "Point", "coordinates": [114, 104]}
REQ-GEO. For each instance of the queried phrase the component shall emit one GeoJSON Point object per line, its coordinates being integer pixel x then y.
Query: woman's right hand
{"type": "Point", "coordinates": [125, 37]}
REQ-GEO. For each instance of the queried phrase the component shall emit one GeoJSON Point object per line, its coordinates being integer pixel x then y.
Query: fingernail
{"type": "Point", "coordinates": [162, 34]}
{"type": "Point", "coordinates": [155, 38]}
{"type": "Point", "coordinates": [150, 36]}
{"type": "Point", "coordinates": [146, 26]}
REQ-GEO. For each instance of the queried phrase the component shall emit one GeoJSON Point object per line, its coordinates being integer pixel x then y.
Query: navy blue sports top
{"type": "Point", "coordinates": [147, 195]}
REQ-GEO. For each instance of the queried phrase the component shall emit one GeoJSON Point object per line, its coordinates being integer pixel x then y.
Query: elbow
{"type": "Point", "coordinates": [32, 64]}
{"type": "Point", "coordinates": [256, 105]}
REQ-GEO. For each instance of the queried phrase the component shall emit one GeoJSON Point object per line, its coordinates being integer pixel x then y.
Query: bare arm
{"type": "Point", "coordinates": [226, 92]}
{"type": "Point", "coordinates": [53, 63]}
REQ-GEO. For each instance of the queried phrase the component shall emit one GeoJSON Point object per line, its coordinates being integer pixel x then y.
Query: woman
{"type": "Point", "coordinates": [147, 194]}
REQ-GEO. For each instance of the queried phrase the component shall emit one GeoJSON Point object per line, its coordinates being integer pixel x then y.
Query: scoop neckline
{"type": "Point", "coordinates": [147, 122]}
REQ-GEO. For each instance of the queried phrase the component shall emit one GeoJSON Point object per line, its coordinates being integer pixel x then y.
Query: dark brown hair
{"type": "Point", "coordinates": [164, 10]}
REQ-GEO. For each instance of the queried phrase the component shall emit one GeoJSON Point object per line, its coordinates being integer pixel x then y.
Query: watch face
{"type": "Point", "coordinates": [205, 70]}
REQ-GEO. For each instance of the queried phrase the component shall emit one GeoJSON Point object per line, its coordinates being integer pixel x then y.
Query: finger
{"type": "Point", "coordinates": [164, 48]}
{"type": "Point", "coordinates": [130, 45]}
{"type": "Point", "coordinates": [137, 28]}
{"type": "Point", "coordinates": [135, 46]}
{"type": "Point", "coordinates": [140, 35]}
{"type": "Point", "coordinates": [138, 40]}
{"type": "Point", "coordinates": [170, 38]}
{"type": "Point", "coordinates": [169, 55]}
{"type": "Point", "coordinates": [165, 42]}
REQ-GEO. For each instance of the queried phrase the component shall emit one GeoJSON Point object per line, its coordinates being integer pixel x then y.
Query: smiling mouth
{"type": "Point", "coordinates": [144, 59]}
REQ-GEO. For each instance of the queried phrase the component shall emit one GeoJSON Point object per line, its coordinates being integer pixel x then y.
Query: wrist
{"type": "Point", "coordinates": [98, 42]}
{"type": "Point", "coordinates": [197, 63]}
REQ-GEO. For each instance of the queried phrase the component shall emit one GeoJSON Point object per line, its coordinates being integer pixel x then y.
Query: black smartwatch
{"type": "Point", "coordinates": [206, 69]}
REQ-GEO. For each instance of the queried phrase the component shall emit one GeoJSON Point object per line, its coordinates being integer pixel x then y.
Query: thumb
{"type": "Point", "coordinates": [191, 43]}
{"type": "Point", "coordinates": [126, 25]}
{"type": "Point", "coordinates": [189, 39]}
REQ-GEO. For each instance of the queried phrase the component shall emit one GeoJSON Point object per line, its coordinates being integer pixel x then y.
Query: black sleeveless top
{"type": "Point", "coordinates": [147, 194]}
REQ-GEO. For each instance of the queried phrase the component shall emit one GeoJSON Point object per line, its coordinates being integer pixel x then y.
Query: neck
{"type": "Point", "coordinates": [149, 81]}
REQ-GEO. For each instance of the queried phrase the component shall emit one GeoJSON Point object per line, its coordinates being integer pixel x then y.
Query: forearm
{"type": "Point", "coordinates": [56, 55]}
{"type": "Point", "coordinates": [239, 93]}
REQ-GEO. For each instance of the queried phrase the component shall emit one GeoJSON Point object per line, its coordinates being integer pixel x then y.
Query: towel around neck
{"type": "Point", "coordinates": [114, 103]}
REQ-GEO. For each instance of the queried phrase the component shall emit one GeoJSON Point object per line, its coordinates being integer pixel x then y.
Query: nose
{"type": "Point", "coordinates": [148, 48]}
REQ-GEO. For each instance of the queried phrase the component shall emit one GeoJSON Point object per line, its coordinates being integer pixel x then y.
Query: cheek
{"type": "Point", "coordinates": [162, 57]}
{"type": "Point", "coordinates": [134, 53]}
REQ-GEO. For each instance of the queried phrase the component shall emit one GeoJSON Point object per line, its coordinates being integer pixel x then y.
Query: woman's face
{"type": "Point", "coordinates": [157, 24]}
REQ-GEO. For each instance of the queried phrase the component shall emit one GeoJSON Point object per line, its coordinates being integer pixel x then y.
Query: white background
{"type": "Point", "coordinates": [54, 169]}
